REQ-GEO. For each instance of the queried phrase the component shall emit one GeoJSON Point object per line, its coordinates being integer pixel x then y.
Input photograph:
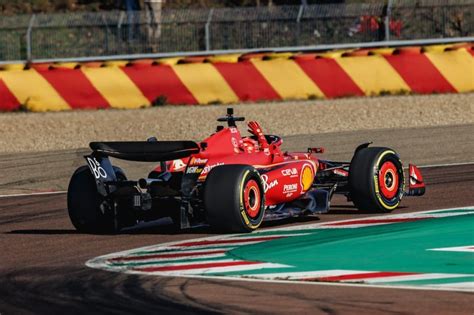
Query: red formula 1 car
{"type": "Point", "coordinates": [229, 181]}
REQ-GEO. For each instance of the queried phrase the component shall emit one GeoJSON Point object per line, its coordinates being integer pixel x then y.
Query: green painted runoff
{"type": "Point", "coordinates": [399, 247]}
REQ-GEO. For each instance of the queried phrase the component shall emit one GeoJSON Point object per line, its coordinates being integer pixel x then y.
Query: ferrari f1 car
{"type": "Point", "coordinates": [229, 181]}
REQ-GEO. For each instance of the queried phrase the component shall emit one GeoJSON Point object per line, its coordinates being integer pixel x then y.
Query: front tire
{"type": "Point", "coordinates": [234, 198]}
{"type": "Point", "coordinates": [376, 179]}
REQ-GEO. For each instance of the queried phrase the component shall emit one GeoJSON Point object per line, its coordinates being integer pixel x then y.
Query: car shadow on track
{"type": "Point", "coordinates": [156, 230]}
{"type": "Point", "coordinates": [293, 220]}
{"type": "Point", "coordinates": [344, 210]}
{"type": "Point", "coordinates": [170, 229]}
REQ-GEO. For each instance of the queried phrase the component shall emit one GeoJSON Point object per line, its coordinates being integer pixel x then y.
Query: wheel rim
{"type": "Point", "coordinates": [252, 199]}
{"type": "Point", "coordinates": [388, 180]}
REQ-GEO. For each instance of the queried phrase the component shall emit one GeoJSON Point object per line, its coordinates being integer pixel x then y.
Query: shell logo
{"type": "Point", "coordinates": [307, 177]}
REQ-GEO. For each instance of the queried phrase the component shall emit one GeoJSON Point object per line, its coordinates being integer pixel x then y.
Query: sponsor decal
{"type": "Point", "coordinates": [197, 161]}
{"type": "Point", "coordinates": [307, 177]}
{"type": "Point", "coordinates": [208, 168]}
{"type": "Point", "coordinates": [96, 169]}
{"type": "Point", "coordinates": [376, 186]}
{"type": "Point", "coordinates": [268, 185]}
{"type": "Point", "coordinates": [291, 172]}
{"type": "Point", "coordinates": [291, 188]}
{"type": "Point", "coordinates": [244, 215]}
{"type": "Point", "coordinates": [178, 165]}
{"type": "Point", "coordinates": [194, 170]}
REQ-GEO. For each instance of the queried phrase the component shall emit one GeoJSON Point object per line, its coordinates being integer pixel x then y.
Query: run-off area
{"type": "Point", "coordinates": [426, 250]}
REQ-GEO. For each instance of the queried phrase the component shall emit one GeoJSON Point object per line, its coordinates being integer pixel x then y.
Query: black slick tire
{"type": "Point", "coordinates": [86, 207]}
{"type": "Point", "coordinates": [376, 179]}
{"type": "Point", "coordinates": [234, 199]}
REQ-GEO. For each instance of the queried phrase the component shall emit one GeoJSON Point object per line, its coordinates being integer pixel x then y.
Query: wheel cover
{"type": "Point", "coordinates": [252, 199]}
{"type": "Point", "coordinates": [388, 180]}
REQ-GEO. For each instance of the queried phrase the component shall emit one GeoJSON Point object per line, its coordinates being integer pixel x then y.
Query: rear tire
{"type": "Point", "coordinates": [234, 198]}
{"type": "Point", "coordinates": [86, 207]}
{"type": "Point", "coordinates": [376, 179]}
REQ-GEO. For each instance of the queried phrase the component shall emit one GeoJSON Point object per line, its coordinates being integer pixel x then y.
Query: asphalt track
{"type": "Point", "coordinates": [42, 257]}
{"type": "Point", "coordinates": [42, 267]}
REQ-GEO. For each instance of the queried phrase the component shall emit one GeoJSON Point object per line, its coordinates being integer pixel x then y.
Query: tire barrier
{"type": "Point", "coordinates": [237, 78]}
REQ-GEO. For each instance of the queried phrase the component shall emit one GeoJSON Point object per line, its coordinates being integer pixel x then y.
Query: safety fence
{"type": "Point", "coordinates": [86, 34]}
{"type": "Point", "coordinates": [237, 78]}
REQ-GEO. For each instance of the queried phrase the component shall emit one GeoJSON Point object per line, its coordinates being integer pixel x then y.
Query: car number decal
{"type": "Point", "coordinates": [96, 169]}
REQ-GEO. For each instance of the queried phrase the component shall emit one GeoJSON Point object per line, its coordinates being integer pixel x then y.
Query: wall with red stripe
{"type": "Point", "coordinates": [237, 78]}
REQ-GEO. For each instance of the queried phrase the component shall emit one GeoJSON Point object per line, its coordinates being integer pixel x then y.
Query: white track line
{"type": "Point", "coordinates": [183, 252]}
{"type": "Point", "coordinates": [301, 275]}
{"type": "Point", "coordinates": [34, 194]}
{"type": "Point", "coordinates": [469, 249]}
{"type": "Point", "coordinates": [158, 261]}
{"type": "Point", "coordinates": [425, 276]}
{"type": "Point", "coordinates": [446, 165]}
{"type": "Point", "coordinates": [336, 273]}
{"type": "Point", "coordinates": [202, 271]}
{"type": "Point", "coordinates": [455, 286]}
{"type": "Point", "coordinates": [187, 263]}
{"type": "Point", "coordinates": [167, 251]}
{"type": "Point", "coordinates": [338, 284]}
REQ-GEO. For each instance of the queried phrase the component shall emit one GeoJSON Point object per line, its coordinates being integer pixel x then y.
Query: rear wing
{"type": "Point", "coordinates": [140, 151]}
{"type": "Point", "coordinates": [145, 151]}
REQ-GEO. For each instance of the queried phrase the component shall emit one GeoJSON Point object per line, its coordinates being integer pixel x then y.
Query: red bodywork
{"type": "Point", "coordinates": [234, 183]}
{"type": "Point", "coordinates": [286, 176]}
